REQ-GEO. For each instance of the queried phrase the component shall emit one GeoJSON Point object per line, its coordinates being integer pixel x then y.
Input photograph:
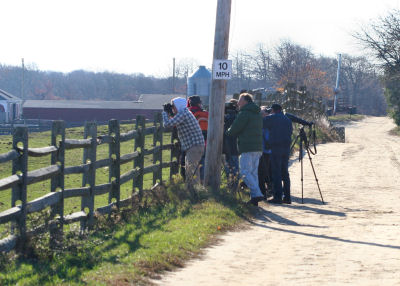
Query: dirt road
{"type": "Point", "coordinates": [352, 240]}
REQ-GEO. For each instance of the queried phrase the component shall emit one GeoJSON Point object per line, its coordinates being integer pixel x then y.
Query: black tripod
{"type": "Point", "coordinates": [303, 139]}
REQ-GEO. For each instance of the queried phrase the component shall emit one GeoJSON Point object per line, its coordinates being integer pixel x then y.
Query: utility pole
{"type": "Point", "coordinates": [336, 91]}
{"type": "Point", "coordinates": [22, 89]}
{"type": "Point", "coordinates": [217, 99]}
{"type": "Point", "coordinates": [173, 76]}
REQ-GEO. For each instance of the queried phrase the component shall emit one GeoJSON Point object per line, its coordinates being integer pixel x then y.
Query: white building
{"type": "Point", "coordinates": [10, 107]}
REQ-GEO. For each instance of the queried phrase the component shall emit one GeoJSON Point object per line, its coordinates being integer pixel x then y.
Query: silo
{"type": "Point", "coordinates": [199, 83]}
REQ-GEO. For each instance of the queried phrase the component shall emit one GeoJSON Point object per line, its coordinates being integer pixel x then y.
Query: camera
{"type": "Point", "coordinates": [168, 109]}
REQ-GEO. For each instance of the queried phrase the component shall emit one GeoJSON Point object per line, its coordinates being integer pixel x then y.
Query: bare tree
{"type": "Point", "coordinates": [262, 66]}
{"type": "Point", "coordinates": [361, 85]}
{"type": "Point", "coordinates": [294, 64]}
{"type": "Point", "coordinates": [185, 66]}
{"type": "Point", "coordinates": [382, 38]}
{"type": "Point", "coordinates": [242, 70]}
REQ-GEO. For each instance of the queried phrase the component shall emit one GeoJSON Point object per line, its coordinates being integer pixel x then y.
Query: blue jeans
{"type": "Point", "coordinates": [280, 172]}
{"type": "Point", "coordinates": [249, 172]}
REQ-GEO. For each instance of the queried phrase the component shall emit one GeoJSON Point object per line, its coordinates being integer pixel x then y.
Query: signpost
{"type": "Point", "coordinates": [222, 70]}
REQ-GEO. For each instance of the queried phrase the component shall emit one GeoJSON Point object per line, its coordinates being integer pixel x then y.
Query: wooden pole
{"type": "Point", "coordinates": [173, 76]}
{"type": "Point", "coordinates": [217, 99]}
{"type": "Point", "coordinates": [22, 90]}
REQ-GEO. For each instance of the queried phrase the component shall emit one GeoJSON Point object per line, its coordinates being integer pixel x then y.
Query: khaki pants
{"type": "Point", "coordinates": [192, 168]}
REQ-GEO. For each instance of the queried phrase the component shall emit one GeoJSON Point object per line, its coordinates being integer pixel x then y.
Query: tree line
{"type": "Point", "coordinates": [291, 64]}
{"type": "Point", "coordinates": [263, 67]}
{"type": "Point", "coordinates": [382, 39]}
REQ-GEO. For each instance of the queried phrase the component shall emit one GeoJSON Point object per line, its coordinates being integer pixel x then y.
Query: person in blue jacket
{"type": "Point", "coordinates": [280, 132]}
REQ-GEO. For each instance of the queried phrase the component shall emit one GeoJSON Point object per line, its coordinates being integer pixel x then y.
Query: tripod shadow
{"type": "Point", "coordinates": [309, 201]}
{"type": "Point", "coordinates": [316, 210]}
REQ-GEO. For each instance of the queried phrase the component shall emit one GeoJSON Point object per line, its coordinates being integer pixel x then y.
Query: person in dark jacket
{"type": "Point", "coordinates": [248, 128]}
{"type": "Point", "coordinates": [264, 168]}
{"type": "Point", "coordinates": [280, 131]}
{"type": "Point", "coordinates": [229, 147]}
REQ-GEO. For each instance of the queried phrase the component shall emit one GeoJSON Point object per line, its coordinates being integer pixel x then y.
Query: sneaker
{"type": "Point", "coordinates": [275, 201]}
{"type": "Point", "coordinates": [287, 200]}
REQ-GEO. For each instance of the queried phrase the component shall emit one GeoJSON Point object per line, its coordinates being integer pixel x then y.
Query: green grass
{"type": "Point", "coordinates": [127, 247]}
{"type": "Point", "coordinates": [74, 158]}
{"type": "Point", "coordinates": [395, 131]}
{"type": "Point", "coordinates": [346, 118]}
{"type": "Point", "coordinates": [131, 246]}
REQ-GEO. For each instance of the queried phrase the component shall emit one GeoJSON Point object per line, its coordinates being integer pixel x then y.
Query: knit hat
{"type": "Point", "coordinates": [276, 107]}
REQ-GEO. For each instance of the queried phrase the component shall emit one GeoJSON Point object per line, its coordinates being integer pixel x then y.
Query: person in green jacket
{"type": "Point", "coordinates": [248, 128]}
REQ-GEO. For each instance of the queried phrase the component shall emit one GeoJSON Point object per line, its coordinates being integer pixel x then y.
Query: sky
{"type": "Point", "coordinates": [143, 36]}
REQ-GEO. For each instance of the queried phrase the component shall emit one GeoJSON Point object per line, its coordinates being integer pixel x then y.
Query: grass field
{"type": "Point", "coordinates": [73, 158]}
{"type": "Point", "coordinates": [130, 247]}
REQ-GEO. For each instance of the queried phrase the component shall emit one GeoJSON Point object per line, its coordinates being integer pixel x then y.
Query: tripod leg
{"type": "Point", "coordinates": [315, 176]}
{"type": "Point", "coordinates": [301, 163]}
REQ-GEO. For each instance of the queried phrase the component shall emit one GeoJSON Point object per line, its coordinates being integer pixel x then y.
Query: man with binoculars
{"type": "Point", "coordinates": [176, 114]}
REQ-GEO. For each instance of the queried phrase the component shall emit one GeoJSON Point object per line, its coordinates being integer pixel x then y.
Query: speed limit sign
{"type": "Point", "coordinates": [222, 69]}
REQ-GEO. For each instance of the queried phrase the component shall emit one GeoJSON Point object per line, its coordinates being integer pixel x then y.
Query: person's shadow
{"type": "Point", "coordinates": [265, 216]}
{"type": "Point", "coordinates": [264, 219]}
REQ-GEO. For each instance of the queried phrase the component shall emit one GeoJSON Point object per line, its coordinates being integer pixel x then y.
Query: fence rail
{"type": "Point", "coordinates": [20, 179]}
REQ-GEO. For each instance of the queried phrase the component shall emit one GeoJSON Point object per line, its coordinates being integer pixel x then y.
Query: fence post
{"type": "Point", "coordinates": [139, 161]}
{"type": "Point", "coordinates": [175, 153]}
{"type": "Point", "coordinates": [89, 177]}
{"type": "Point", "coordinates": [157, 155]}
{"type": "Point", "coordinates": [114, 155]}
{"type": "Point", "coordinates": [57, 183]}
{"type": "Point", "coordinates": [20, 167]}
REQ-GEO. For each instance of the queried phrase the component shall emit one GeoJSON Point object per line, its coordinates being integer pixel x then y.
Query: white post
{"type": "Point", "coordinates": [336, 91]}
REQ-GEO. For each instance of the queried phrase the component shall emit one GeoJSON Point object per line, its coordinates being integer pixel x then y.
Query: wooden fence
{"type": "Point", "coordinates": [21, 178]}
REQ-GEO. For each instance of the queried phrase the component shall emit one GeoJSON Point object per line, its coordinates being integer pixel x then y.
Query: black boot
{"type": "Point", "coordinates": [287, 200]}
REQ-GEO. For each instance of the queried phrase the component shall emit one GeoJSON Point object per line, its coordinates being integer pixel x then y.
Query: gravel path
{"type": "Point", "coordinates": [352, 240]}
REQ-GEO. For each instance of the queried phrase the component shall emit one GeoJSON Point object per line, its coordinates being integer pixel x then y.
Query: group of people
{"type": "Point", "coordinates": [256, 145]}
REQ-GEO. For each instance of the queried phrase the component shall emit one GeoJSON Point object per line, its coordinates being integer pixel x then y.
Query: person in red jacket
{"type": "Point", "coordinates": [195, 106]}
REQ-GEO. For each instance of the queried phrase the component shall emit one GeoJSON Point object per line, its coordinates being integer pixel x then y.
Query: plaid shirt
{"type": "Point", "coordinates": [189, 131]}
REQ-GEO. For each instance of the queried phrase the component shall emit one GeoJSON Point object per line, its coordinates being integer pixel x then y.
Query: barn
{"type": "Point", "coordinates": [86, 110]}
{"type": "Point", "coordinates": [10, 107]}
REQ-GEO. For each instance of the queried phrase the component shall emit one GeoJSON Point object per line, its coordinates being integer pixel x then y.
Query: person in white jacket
{"type": "Point", "coordinates": [190, 137]}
